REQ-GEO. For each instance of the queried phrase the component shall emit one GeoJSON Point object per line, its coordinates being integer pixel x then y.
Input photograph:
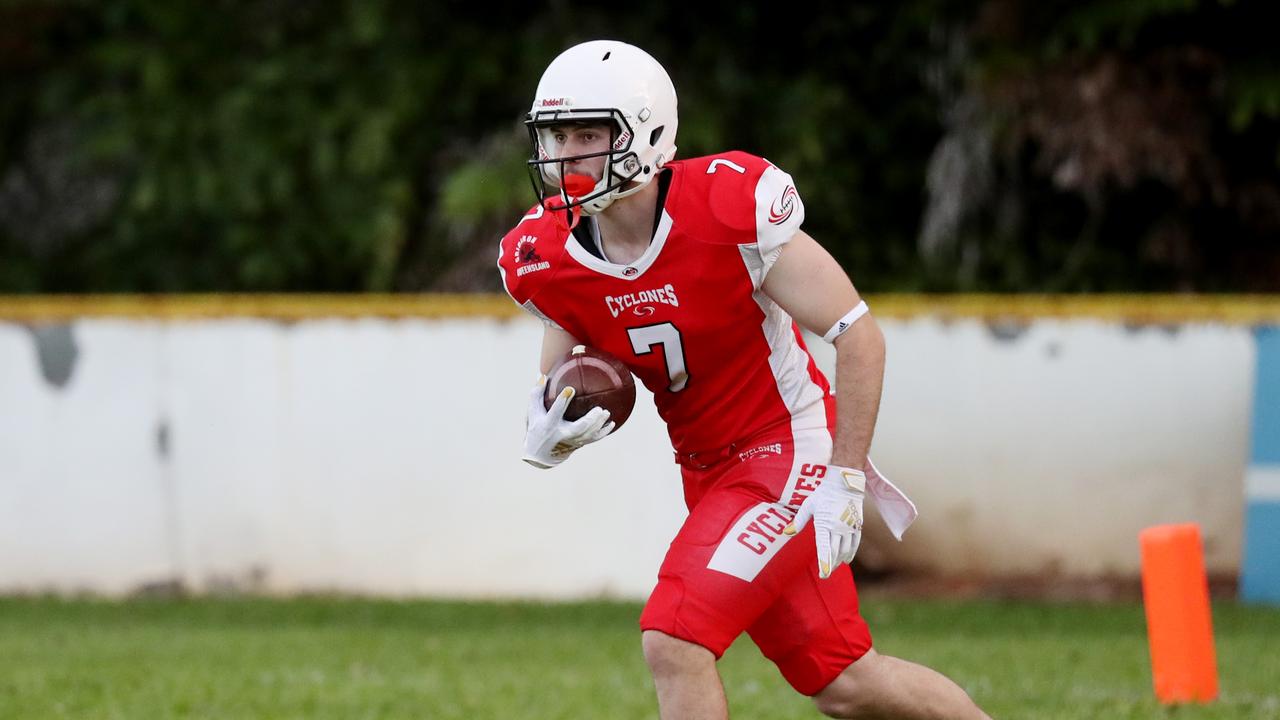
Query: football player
{"type": "Point", "coordinates": [696, 274]}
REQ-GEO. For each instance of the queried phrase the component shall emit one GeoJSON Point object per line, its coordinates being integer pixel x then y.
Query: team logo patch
{"type": "Point", "coordinates": [527, 258]}
{"type": "Point", "coordinates": [526, 252]}
{"type": "Point", "coordinates": [782, 208]}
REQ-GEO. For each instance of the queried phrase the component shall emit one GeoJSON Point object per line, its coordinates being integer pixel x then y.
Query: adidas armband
{"type": "Point", "coordinates": [846, 322]}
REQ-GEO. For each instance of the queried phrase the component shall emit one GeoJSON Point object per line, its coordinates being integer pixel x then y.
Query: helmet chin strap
{"type": "Point", "coordinates": [587, 187]}
{"type": "Point", "coordinates": [620, 190]}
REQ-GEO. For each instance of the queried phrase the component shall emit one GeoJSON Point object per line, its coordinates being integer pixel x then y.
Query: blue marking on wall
{"type": "Point", "coordinates": [1260, 568]}
{"type": "Point", "coordinates": [1260, 575]}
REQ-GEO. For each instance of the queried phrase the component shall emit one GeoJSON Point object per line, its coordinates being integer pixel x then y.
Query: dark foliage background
{"type": "Point", "coordinates": [280, 145]}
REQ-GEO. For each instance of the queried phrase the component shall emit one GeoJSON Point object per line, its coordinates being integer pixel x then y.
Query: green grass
{"type": "Point", "coordinates": [327, 658]}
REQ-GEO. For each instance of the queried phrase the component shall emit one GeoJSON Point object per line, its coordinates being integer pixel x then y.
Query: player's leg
{"type": "Point", "coordinates": [701, 604]}
{"type": "Point", "coordinates": [816, 636]}
{"type": "Point", "coordinates": [881, 686]}
{"type": "Point", "coordinates": [685, 677]}
{"type": "Point", "coordinates": [723, 571]}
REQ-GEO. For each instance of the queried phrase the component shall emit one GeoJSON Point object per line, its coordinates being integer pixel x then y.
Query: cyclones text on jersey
{"type": "Point", "coordinates": [665, 295]}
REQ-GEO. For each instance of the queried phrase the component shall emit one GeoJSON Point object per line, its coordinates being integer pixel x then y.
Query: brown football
{"type": "Point", "coordinates": [598, 380]}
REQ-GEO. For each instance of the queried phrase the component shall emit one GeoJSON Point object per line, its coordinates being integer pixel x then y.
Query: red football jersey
{"type": "Point", "coordinates": [723, 361]}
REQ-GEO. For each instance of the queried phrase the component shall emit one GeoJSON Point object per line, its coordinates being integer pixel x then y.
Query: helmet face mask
{"type": "Point", "coordinates": [547, 171]}
{"type": "Point", "coordinates": [612, 84]}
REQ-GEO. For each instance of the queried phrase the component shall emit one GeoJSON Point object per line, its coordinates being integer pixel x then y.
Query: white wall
{"type": "Point", "coordinates": [381, 456]}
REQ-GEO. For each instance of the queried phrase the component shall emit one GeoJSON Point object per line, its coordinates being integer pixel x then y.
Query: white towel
{"type": "Point", "coordinates": [895, 507]}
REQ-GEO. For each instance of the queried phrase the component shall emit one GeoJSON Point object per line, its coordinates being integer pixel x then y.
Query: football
{"type": "Point", "coordinates": [598, 380]}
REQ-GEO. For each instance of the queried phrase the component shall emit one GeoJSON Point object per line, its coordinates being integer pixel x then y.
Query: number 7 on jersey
{"type": "Point", "coordinates": [668, 336]}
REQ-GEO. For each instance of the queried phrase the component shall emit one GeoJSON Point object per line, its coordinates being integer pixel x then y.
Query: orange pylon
{"type": "Point", "coordinates": [1175, 592]}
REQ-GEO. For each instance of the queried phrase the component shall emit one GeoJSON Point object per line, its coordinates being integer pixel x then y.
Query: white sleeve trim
{"type": "Point", "coordinates": [779, 214]}
{"type": "Point", "coordinates": [846, 322]}
{"type": "Point", "coordinates": [534, 311]}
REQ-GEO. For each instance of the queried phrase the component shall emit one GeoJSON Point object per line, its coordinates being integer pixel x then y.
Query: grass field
{"type": "Point", "coordinates": [339, 658]}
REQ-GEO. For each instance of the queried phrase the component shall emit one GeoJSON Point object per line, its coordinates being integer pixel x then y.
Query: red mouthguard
{"type": "Point", "coordinates": [576, 186]}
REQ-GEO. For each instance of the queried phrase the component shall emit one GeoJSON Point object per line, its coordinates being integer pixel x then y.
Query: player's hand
{"type": "Point", "coordinates": [836, 510]}
{"type": "Point", "coordinates": [549, 438]}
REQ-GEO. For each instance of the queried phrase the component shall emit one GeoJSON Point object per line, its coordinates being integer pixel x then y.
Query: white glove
{"type": "Point", "coordinates": [549, 438]}
{"type": "Point", "coordinates": [836, 510]}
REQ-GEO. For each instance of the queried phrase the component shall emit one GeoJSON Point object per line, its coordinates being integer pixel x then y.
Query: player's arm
{"type": "Point", "coordinates": [549, 439]}
{"type": "Point", "coordinates": [556, 343]}
{"type": "Point", "coordinates": [811, 286]}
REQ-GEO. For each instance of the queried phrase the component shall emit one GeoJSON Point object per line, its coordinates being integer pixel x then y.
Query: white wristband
{"type": "Point", "coordinates": [846, 322]}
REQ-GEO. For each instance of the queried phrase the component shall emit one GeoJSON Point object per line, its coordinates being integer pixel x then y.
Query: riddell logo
{"type": "Point", "coordinates": [555, 102]}
{"type": "Point", "coordinates": [640, 303]}
{"type": "Point", "coordinates": [783, 206]}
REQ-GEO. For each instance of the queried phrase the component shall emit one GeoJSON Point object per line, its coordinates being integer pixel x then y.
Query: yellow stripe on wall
{"type": "Point", "coordinates": [1133, 309]}
{"type": "Point", "coordinates": [56, 308]}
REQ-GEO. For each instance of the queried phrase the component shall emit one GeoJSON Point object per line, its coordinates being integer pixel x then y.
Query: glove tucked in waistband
{"type": "Point", "coordinates": [895, 507]}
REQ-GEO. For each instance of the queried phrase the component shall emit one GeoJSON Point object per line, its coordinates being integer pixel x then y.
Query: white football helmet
{"type": "Point", "coordinates": [617, 83]}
